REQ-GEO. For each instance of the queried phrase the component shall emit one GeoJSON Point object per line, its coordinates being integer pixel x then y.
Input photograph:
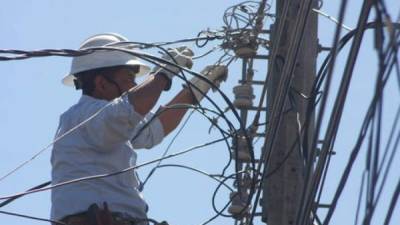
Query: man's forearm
{"type": "Point", "coordinates": [170, 118]}
{"type": "Point", "coordinates": [144, 96]}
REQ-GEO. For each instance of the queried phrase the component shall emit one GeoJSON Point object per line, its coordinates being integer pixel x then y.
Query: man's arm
{"type": "Point", "coordinates": [170, 118]}
{"type": "Point", "coordinates": [144, 96]}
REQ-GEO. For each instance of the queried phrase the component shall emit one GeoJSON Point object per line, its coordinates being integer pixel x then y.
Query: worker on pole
{"type": "Point", "coordinates": [123, 122]}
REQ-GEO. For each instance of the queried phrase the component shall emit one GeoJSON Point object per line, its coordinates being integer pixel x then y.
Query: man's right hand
{"type": "Point", "coordinates": [181, 56]}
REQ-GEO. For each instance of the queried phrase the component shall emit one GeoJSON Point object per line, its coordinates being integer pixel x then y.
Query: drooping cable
{"type": "Point", "coordinates": [165, 152]}
{"type": "Point", "coordinates": [32, 217]}
{"type": "Point", "coordinates": [69, 182]}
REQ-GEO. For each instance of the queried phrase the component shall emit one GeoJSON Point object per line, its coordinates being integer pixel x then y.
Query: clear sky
{"type": "Point", "coordinates": [32, 98]}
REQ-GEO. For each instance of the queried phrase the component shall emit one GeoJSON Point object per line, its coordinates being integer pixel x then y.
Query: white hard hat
{"type": "Point", "coordinates": [103, 58]}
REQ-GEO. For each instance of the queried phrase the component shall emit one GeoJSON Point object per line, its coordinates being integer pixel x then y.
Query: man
{"type": "Point", "coordinates": [122, 122]}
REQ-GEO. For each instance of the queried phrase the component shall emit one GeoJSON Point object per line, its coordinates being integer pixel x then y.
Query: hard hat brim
{"type": "Point", "coordinates": [68, 80]}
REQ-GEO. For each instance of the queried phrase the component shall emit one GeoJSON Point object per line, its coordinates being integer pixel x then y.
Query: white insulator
{"type": "Point", "coordinates": [243, 96]}
{"type": "Point", "coordinates": [242, 148]}
{"type": "Point", "coordinates": [245, 52]}
{"type": "Point", "coordinates": [242, 156]}
{"type": "Point", "coordinates": [238, 203]}
{"type": "Point", "coordinates": [246, 181]}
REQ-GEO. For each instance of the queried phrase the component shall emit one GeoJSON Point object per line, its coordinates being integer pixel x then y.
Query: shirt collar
{"type": "Point", "coordinates": [86, 98]}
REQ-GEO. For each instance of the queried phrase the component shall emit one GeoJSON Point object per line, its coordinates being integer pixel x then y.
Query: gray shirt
{"type": "Point", "coordinates": [102, 145]}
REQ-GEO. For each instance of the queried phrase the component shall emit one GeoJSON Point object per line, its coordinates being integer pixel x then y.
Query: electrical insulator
{"type": "Point", "coordinates": [239, 204]}
{"type": "Point", "coordinates": [243, 96]}
{"type": "Point", "coordinates": [245, 52]}
{"type": "Point", "coordinates": [246, 181]}
{"type": "Point", "coordinates": [241, 149]}
{"type": "Point", "coordinates": [245, 45]}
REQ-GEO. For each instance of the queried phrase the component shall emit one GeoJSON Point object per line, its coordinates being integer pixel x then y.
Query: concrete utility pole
{"type": "Point", "coordinates": [282, 191]}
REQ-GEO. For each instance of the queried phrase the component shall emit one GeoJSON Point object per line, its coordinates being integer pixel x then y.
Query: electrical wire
{"type": "Point", "coordinates": [220, 212]}
{"type": "Point", "coordinates": [195, 170]}
{"type": "Point", "coordinates": [54, 52]}
{"type": "Point", "coordinates": [69, 182]}
{"type": "Point", "coordinates": [242, 14]}
{"type": "Point", "coordinates": [303, 213]}
{"type": "Point", "coordinates": [216, 63]}
{"type": "Point", "coordinates": [356, 149]}
{"type": "Point", "coordinates": [32, 217]}
{"type": "Point", "coordinates": [64, 52]}
{"type": "Point", "coordinates": [282, 89]}
{"type": "Point", "coordinates": [333, 19]}
{"type": "Point", "coordinates": [342, 43]}
{"type": "Point", "coordinates": [165, 152]}
{"type": "Point", "coordinates": [178, 106]}
{"type": "Point", "coordinates": [8, 201]}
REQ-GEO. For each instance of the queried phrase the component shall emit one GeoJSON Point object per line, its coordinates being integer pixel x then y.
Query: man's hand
{"type": "Point", "coordinates": [181, 56]}
{"type": "Point", "coordinates": [215, 74]}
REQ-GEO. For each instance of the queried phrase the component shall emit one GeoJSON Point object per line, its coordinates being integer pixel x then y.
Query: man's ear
{"type": "Point", "coordinates": [99, 85]}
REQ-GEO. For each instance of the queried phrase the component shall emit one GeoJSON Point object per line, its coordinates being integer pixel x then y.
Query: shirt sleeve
{"type": "Point", "coordinates": [148, 133]}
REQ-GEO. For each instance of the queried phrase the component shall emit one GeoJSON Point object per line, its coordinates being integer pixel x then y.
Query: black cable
{"type": "Point", "coordinates": [242, 129]}
{"type": "Point", "coordinates": [283, 87]}
{"type": "Point", "coordinates": [195, 170]}
{"type": "Point", "coordinates": [375, 200]}
{"type": "Point", "coordinates": [196, 39]}
{"type": "Point", "coordinates": [371, 201]}
{"type": "Point", "coordinates": [87, 51]}
{"type": "Point", "coordinates": [166, 52]}
{"type": "Point", "coordinates": [224, 134]}
{"type": "Point", "coordinates": [393, 204]}
{"type": "Point", "coordinates": [343, 42]}
{"type": "Point", "coordinates": [8, 201]}
{"type": "Point", "coordinates": [69, 53]}
{"type": "Point", "coordinates": [32, 217]}
{"type": "Point", "coordinates": [322, 72]}
{"type": "Point", "coordinates": [138, 133]}
{"type": "Point", "coordinates": [69, 182]}
{"type": "Point", "coordinates": [389, 142]}
{"type": "Point", "coordinates": [322, 106]}
{"type": "Point", "coordinates": [360, 192]}
{"type": "Point", "coordinates": [112, 174]}
{"type": "Point", "coordinates": [220, 212]}
{"type": "Point", "coordinates": [142, 184]}
{"type": "Point", "coordinates": [333, 124]}
{"type": "Point", "coordinates": [356, 149]}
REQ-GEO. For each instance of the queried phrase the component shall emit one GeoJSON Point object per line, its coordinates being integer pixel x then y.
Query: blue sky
{"type": "Point", "coordinates": [32, 97]}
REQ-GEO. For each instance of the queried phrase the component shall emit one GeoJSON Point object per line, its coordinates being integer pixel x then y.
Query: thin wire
{"type": "Point", "coordinates": [360, 193]}
{"type": "Point", "coordinates": [220, 212]}
{"type": "Point", "coordinates": [195, 170]}
{"type": "Point", "coordinates": [64, 52]}
{"type": "Point", "coordinates": [166, 151]}
{"type": "Point", "coordinates": [337, 112]}
{"type": "Point", "coordinates": [32, 217]}
{"type": "Point", "coordinates": [285, 81]}
{"type": "Point", "coordinates": [8, 201]}
{"type": "Point", "coordinates": [331, 18]}
{"type": "Point", "coordinates": [69, 182]}
{"type": "Point", "coordinates": [177, 106]}
{"type": "Point", "coordinates": [393, 204]}
{"type": "Point", "coordinates": [356, 149]}
{"type": "Point", "coordinates": [205, 54]}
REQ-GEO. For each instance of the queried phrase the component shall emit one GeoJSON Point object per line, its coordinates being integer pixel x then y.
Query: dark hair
{"type": "Point", "coordinates": [85, 80]}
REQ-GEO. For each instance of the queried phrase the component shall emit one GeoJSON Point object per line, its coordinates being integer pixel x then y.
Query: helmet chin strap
{"type": "Point", "coordinates": [115, 83]}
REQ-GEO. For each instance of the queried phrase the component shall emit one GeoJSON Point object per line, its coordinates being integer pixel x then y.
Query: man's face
{"type": "Point", "coordinates": [124, 79]}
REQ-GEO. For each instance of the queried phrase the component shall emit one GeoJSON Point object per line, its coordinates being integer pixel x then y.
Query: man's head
{"type": "Point", "coordinates": [106, 83]}
{"type": "Point", "coordinates": [101, 71]}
